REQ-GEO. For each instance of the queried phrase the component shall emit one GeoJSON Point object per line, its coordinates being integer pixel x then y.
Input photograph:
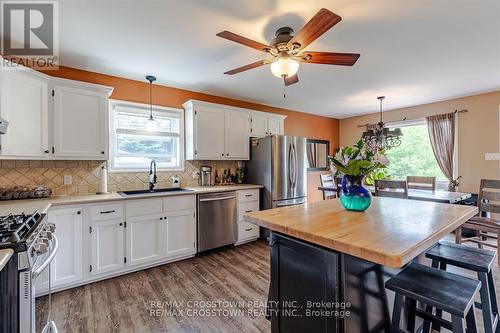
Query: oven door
{"type": "Point", "coordinates": [27, 281]}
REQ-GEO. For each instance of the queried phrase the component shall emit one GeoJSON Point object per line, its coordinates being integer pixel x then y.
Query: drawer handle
{"type": "Point", "coordinates": [248, 195]}
{"type": "Point", "coordinates": [249, 229]}
{"type": "Point", "coordinates": [248, 211]}
{"type": "Point", "coordinates": [108, 211]}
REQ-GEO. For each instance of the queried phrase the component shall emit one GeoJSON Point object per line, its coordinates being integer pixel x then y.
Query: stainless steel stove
{"type": "Point", "coordinates": [34, 245]}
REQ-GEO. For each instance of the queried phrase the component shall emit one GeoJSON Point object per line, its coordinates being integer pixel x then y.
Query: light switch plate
{"type": "Point", "coordinates": [68, 180]}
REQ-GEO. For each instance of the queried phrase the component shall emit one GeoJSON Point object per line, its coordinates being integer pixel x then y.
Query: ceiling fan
{"type": "Point", "coordinates": [287, 50]}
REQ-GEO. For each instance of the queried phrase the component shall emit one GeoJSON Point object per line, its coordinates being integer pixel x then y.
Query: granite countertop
{"type": "Point", "coordinates": [391, 232]}
{"type": "Point", "coordinates": [5, 255]}
{"type": "Point", "coordinates": [43, 205]}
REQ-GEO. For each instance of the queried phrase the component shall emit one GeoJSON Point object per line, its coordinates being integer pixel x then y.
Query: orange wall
{"type": "Point", "coordinates": [296, 123]}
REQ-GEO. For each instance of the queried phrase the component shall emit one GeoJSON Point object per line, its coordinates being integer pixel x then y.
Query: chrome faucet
{"type": "Point", "coordinates": [152, 175]}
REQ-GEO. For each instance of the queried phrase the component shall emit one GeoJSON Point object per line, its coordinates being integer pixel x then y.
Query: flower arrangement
{"type": "Point", "coordinates": [357, 160]}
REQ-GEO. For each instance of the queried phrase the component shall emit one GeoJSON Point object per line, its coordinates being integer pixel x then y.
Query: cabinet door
{"type": "Point", "coordinates": [107, 247]}
{"type": "Point", "coordinates": [237, 135]}
{"type": "Point", "coordinates": [67, 266]}
{"type": "Point", "coordinates": [259, 125]}
{"type": "Point", "coordinates": [181, 233]}
{"type": "Point", "coordinates": [314, 272]}
{"type": "Point", "coordinates": [209, 134]}
{"type": "Point", "coordinates": [24, 104]}
{"type": "Point", "coordinates": [145, 241]}
{"type": "Point", "coordinates": [80, 123]}
{"type": "Point", "coordinates": [275, 126]}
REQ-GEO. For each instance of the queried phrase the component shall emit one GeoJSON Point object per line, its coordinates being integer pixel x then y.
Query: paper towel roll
{"type": "Point", "coordinates": [103, 184]}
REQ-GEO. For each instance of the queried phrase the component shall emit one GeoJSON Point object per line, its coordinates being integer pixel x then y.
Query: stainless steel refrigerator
{"type": "Point", "coordinates": [279, 163]}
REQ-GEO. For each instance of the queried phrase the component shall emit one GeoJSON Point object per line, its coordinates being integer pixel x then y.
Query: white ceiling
{"type": "Point", "coordinates": [412, 51]}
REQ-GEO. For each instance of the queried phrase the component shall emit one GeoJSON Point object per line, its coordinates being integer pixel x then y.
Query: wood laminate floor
{"type": "Point", "coordinates": [234, 279]}
{"type": "Point", "coordinates": [237, 279]}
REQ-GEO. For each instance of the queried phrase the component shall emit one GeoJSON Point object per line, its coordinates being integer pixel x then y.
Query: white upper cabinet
{"type": "Point", "coordinates": [80, 124]}
{"type": "Point", "coordinates": [264, 124]}
{"type": "Point", "coordinates": [237, 133]}
{"type": "Point", "coordinates": [24, 103]}
{"type": "Point", "coordinates": [259, 124]}
{"type": "Point", "coordinates": [209, 134]}
{"type": "Point", "coordinates": [52, 118]}
{"type": "Point", "coordinates": [221, 132]}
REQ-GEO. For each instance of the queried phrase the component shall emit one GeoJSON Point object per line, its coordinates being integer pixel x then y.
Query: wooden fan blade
{"type": "Point", "coordinates": [244, 41]}
{"type": "Point", "coordinates": [329, 58]}
{"type": "Point", "coordinates": [291, 80]}
{"type": "Point", "coordinates": [247, 67]}
{"type": "Point", "coordinates": [323, 21]}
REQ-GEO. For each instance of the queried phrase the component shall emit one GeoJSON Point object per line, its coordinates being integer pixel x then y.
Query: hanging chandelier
{"type": "Point", "coordinates": [381, 137]}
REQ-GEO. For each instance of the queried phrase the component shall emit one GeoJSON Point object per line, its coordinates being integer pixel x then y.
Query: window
{"type": "Point", "coordinates": [414, 157]}
{"type": "Point", "coordinates": [133, 145]}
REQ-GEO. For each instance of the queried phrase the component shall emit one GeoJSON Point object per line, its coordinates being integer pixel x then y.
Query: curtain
{"type": "Point", "coordinates": [441, 130]}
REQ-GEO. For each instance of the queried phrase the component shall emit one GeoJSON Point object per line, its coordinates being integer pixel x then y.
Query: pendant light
{"type": "Point", "coordinates": [151, 125]}
{"type": "Point", "coordinates": [381, 137]}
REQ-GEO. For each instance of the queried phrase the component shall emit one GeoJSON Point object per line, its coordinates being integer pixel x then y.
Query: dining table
{"type": "Point", "coordinates": [423, 195]}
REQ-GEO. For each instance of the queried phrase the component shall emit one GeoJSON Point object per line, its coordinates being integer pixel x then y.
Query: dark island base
{"type": "Point", "coordinates": [314, 289]}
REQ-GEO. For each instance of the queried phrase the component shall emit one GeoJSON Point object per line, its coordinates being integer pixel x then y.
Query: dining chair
{"type": "Point", "coordinates": [486, 227]}
{"type": "Point", "coordinates": [391, 188]}
{"type": "Point", "coordinates": [421, 183]}
{"type": "Point", "coordinates": [338, 185]}
{"type": "Point", "coordinates": [327, 180]}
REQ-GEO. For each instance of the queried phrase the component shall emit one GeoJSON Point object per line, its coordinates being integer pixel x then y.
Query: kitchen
{"type": "Point", "coordinates": [138, 202]}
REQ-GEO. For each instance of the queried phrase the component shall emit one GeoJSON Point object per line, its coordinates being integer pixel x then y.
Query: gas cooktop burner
{"type": "Point", "coordinates": [16, 228]}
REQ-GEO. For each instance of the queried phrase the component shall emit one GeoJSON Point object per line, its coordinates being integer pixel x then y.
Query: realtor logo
{"type": "Point", "coordinates": [29, 31]}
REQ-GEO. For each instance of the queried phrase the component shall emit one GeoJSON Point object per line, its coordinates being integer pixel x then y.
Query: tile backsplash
{"type": "Point", "coordinates": [86, 175]}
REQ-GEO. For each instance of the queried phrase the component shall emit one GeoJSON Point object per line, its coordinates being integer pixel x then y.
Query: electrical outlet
{"type": "Point", "coordinates": [196, 174]}
{"type": "Point", "coordinates": [68, 180]}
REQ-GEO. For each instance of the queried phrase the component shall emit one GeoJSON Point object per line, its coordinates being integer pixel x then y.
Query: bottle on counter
{"type": "Point", "coordinates": [224, 177]}
{"type": "Point", "coordinates": [217, 180]}
{"type": "Point", "coordinates": [229, 176]}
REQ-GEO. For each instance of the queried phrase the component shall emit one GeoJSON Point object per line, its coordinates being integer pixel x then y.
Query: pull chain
{"type": "Point", "coordinates": [284, 91]}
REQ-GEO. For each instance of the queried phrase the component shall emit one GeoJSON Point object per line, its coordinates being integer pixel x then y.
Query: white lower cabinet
{"type": "Point", "coordinates": [145, 239]}
{"type": "Point", "coordinates": [107, 252]}
{"type": "Point", "coordinates": [98, 241]}
{"type": "Point", "coordinates": [248, 201]}
{"type": "Point", "coordinates": [181, 233]}
{"type": "Point", "coordinates": [67, 266]}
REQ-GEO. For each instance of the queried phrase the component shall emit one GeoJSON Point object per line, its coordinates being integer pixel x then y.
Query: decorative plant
{"type": "Point", "coordinates": [376, 175]}
{"type": "Point", "coordinates": [357, 160]}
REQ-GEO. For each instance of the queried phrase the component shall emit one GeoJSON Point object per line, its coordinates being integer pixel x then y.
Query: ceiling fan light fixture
{"type": "Point", "coordinates": [284, 67]}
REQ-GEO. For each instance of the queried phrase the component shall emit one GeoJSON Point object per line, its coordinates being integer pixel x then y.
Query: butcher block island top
{"type": "Point", "coordinates": [392, 232]}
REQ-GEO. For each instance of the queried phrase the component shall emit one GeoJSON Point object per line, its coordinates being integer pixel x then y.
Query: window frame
{"type": "Point", "coordinates": [441, 184]}
{"type": "Point", "coordinates": [142, 108]}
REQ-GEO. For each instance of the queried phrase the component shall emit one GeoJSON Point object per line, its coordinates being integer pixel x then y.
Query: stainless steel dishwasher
{"type": "Point", "coordinates": [217, 218]}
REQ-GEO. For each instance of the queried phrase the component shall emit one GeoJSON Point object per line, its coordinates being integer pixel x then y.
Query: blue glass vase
{"type": "Point", "coordinates": [354, 196]}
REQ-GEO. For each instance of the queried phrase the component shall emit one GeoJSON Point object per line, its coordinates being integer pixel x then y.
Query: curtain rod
{"type": "Point", "coordinates": [404, 119]}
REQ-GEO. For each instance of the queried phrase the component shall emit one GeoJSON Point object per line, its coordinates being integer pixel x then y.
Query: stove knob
{"type": "Point", "coordinates": [47, 234]}
{"type": "Point", "coordinates": [50, 227]}
{"type": "Point", "coordinates": [40, 248]}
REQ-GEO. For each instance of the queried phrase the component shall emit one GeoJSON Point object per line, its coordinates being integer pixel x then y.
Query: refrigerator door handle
{"type": "Point", "coordinates": [296, 166]}
{"type": "Point", "coordinates": [290, 176]}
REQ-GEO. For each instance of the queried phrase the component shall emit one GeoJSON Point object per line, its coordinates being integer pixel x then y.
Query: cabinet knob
{"type": "Point", "coordinates": [79, 212]}
{"type": "Point", "coordinates": [102, 152]}
{"type": "Point", "coordinates": [227, 154]}
{"type": "Point", "coordinates": [161, 218]}
{"type": "Point", "coordinates": [120, 224]}
{"type": "Point", "coordinates": [222, 154]}
{"type": "Point", "coordinates": [46, 151]}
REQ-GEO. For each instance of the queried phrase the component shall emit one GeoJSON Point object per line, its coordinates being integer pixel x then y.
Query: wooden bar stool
{"type": "Point", "coordinates": [478, 260]}
{"type": "Point", "coordinates": [442, 290]}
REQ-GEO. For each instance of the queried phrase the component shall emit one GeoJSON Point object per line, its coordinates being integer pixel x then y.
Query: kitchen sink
{"type": "Point", "coordinates": [151, 192]}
